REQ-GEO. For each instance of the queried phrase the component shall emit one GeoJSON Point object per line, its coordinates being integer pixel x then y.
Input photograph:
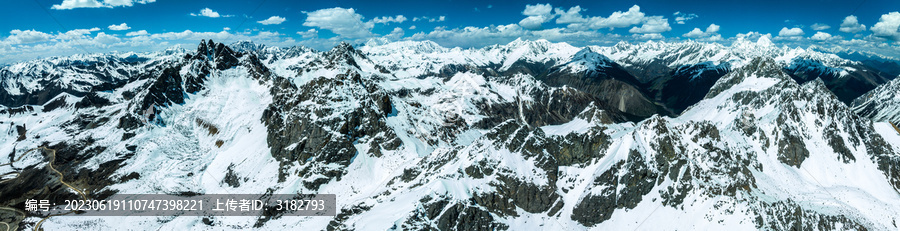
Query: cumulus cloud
{"type": "Point", "coordinates": [122, 26]}
{"type": "Point", "coordinates": [311, 33]}
{"type": "Point", "coordinates": [695, 33]}
{"type": "Point", "coordinates": [851, 25]}
{"type": "Point", "coordinates": [73, 4]}
{"type": "Point", "coordinates": [618, 19]}
{"type": "Point", "coordinates": [104, 38]}
{"type": "Point", "coordinates": [537, 9]}
{"type": "Point", "coordinates": [413, 27]}
{"type": "Point", "coordinates": [680, 18]}
{"type": "Point", "coordinates": [483, 36]}
{"type": "Point", "coordinates": [26, 36]}
{"type": "Point", "coordinates": [429, 19]}
{"type": "Point", "coordinates": [821, 36]}
{"type": "Point", "coordinates": [653, 25]}
{"type": "Point", "coordinates": [272, 20]}
{"type": "Point", "coordinates": [648, 36]}
{"type": "Point", "coordinates": [712, 28]}
{"type": "Point", "coordinates": [76, 34]}
{"type": "Point", "coordinates": [472, 36]}
{"type": "Point", "coordinates": [820, 26]}
{"type": "Point", "coordinates": [395, 34]}
{"type": "Point", "coordinates": [888, 26]}
{"type": "Point", "coordinates": [573, 15]}
{"type": "Point", "coordinates": [386, 19]}
{"type": "Point", "coordinates": [137, 33]}
{"type": "Point", "coordinates": [344, 22]}
{"type": "Point", "coordinates": [793, 32]}
{"type": "Point", "coordinates": [753, 35]}
{"type": "Point", "coordinates": [711, 33]}
{"type": "Point", "coordinates": [537, 15]}
{"type": "Point", "coordinates": [207, 12]}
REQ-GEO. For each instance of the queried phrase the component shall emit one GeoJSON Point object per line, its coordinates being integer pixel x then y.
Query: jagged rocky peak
{"type": "Point", "coordinates": [881, 104]}
{"type": "Point", "coordinates": [223, 56]}
{"type": "Point", "coordinates": [343, 53]}
{"type": "Point", "coordinates": [759, 67]}
{"type": "Point", "coordinates": [246, 46]}
{"type": "Point", "coordinates": [587, 55]}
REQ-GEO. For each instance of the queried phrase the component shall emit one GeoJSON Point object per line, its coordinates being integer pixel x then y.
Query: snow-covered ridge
{"type": "Point", "coordinates": [881, 104]}
{"type": "Point", "coordinates": [79, 72]}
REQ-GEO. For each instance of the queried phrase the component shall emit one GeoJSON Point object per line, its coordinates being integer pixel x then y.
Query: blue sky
{"type": "Point", "coordinates": [42, 28]}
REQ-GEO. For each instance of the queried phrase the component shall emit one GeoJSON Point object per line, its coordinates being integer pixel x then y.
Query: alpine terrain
{"type": "Point", "coordinates": [410, 135]}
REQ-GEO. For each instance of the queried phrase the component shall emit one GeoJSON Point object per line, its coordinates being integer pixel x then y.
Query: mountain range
{"type": "Point", "coordinates": [413, 135]}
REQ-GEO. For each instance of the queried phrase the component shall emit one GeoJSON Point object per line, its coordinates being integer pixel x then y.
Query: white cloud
{"type": "Point", "coordinates": [344, 22]}
{"type": "Point", "coordinates": [472, 36]}
{"type": "Point", "coordinates": [821, 36]}
{"type": "Point", "coordinates": [653, 25]}
{"type": "Point", "coordinates": [413, 27]}
{"type": "Point", "coordinates": [888, 26]}
{"type": "Point", "coordinates": [620, 19]}
{"type": "Point", "coordinates": [533, 22]}
{"type": "Point", "coordinates": [73, 4]}
{"type": "Point", "coordinates": [753, 36]}
{"type": "Point", "coordinates": [537, 10]}
{"type": "Point", "coordinates": [429, 19]}
{"type": "Point", "coordinates": [26, 36]}
{"type": "Point", "coordinates": [712, 28]}
{"type": "Point", "coordinates": [851, 25]}
{"type": "Point", "coordinates": [573, 15]}
{"type": "Point", "coordinates": [272, 20]}
{"type": "Point", "coordinates": [311, 33]}
{"type": "Point", "coordinates": [207, 12]}
{"type": "Point", "coordinates": [104, 38]}
{"type": "Point", "coordinates": [137, 33]}
{"type": "Point", "coordinates": [793, 32]}
{"type": "Point", "coordinates": [191, 35]}
{"type": "Point", "coordinates": [115, 3]}
{"type": "Point", "coordinates": [820, 26]}
{"type": "Point", "coordinates": [680, 18]}
{"type": "Point", "coordinates": [711, 32]}
{"type": "Point", "coordinates": [695, 33]}
{"type": "Point", "coordinates": [76, 34]}
{"type": "Point", "coordinates": [386, 20]}
{"type": "Point", "coordinates": [122, 26]}
{"type": "Point", "coordinates": [648, 36]}
{"type": "Point", "coordinates": [537, 16]}
{"type": "Point", "coordinates": [395, 34]}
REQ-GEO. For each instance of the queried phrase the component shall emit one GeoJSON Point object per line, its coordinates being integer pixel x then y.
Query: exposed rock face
{"type": "Point", "coordinates": [317, 124]}
{"type": "Point", "coordinates": [881, 104]}
{"type": "Point", "coordinates": [165, 90]}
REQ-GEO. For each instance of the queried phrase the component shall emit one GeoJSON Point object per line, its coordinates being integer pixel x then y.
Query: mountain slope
{"type": "Point", "coordinates": [881, 104]}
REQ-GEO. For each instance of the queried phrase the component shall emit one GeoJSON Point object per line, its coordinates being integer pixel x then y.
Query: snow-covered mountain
{"type": "Point", "coordinates": [670, 69]}
{"type": "Point", "coordinates": [881, 104]}
{"type": "Point", "coordinates": [411, 136]}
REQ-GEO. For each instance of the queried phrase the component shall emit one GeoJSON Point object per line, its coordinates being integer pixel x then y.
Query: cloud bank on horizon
{"type": "Point", "coordinates": [53, 28]}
